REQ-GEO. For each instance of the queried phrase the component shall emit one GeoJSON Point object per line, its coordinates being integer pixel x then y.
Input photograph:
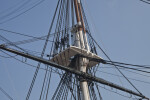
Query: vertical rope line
{"type": "Point", "coordinates": [43, 84]}
{"type": "Point", "coordinates": [50, 73]}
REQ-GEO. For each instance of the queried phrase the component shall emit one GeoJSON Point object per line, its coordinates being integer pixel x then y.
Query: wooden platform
{"type": "Point", "coordinates": [63, 58]}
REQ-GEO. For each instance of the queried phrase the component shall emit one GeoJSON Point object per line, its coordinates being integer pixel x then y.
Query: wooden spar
{"type": "Point", "coordinates": [71, 70]}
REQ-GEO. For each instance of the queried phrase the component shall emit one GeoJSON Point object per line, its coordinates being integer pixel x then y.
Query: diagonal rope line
{"type": "Point", "coordinates": [114, 64]}
{"type": "Point", "coordinates": [6, 94]}
{"type": "Point", "coordinates": [23, 12]}
{"type": "Point", "coordinates": [146, 1]}
{"type": "Point", "coordinates": [43, 51]}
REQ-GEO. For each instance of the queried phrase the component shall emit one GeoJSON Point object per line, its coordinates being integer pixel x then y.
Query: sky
{"type": "Point", "coordinates": [121, 27]}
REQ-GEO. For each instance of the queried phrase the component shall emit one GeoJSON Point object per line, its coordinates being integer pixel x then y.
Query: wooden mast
{"type": "Point", "coordinates": [82, 62]}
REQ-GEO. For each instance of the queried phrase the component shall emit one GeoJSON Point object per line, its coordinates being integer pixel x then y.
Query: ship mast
{"type": "Point", "coordinates": [71, 53]}
{"type": "Point", "coordinates": [81, 42]}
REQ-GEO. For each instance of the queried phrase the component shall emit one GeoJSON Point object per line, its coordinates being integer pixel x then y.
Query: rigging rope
{"type": "Point", "coordinates": [23, 12]}
{"type": "Point", "coordinates": [128, 77]}
{"type": "Point", "coordinates": [7, 41]}
{"type": "Point", "coordinates": [114, 92]}
{"type": "Point", "coordinates": [6, 94]}
{"type": "Point", "coordinates": [25, 41]}
{"type": "Point", "coordinates": [113, 64]}
{"type": "Point", "coordinates": [43, 51]}
{"type": "Point", "coordinates": [54, 71]}
{"type": "Point", "coordinates": [38, 38]}
{"type": "Point", "coordinates": [146, 1]}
